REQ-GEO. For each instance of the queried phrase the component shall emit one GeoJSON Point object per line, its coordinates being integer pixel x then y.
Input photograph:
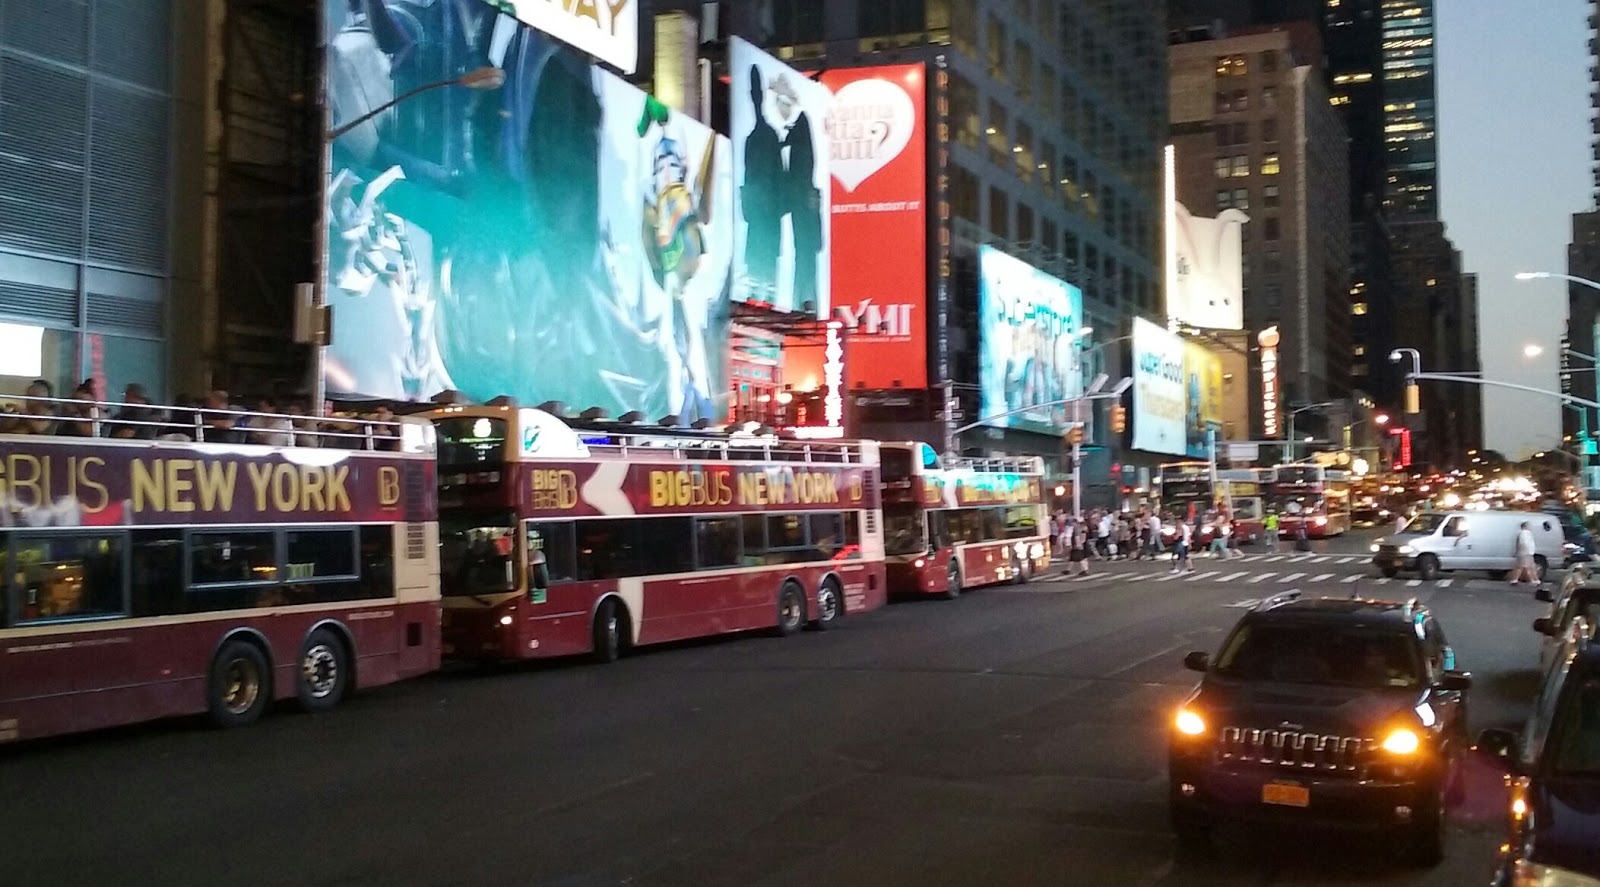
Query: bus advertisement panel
{"type": "Point", "coordinates": [146, 579]}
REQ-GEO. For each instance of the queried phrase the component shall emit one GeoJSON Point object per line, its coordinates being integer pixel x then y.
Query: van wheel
{"type": "Point", "coordinates": [1541, 566]}
{"type": "Point", "coordinates": [791, 609]}
{"type": "Point", "coordinates": [324, 671]}
{"type": "Point", "coordinates": [953, 589]}
{"type": "Point", "coordinates": [240, 685]}
{"type": "Point", "coordinates": [1428, 568]}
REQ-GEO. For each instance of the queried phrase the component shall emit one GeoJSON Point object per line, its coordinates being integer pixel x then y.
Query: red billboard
{"type": "Point", "coordinates": [54, 484]}
{"type": "Point", "coordinates": [877, 133]}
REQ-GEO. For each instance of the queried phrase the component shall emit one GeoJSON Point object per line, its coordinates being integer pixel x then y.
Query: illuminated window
{"type": "Point", "coordinates": [1270, 165]}
{"type": "Point", "coordinates": [1241, 166]}
{"type": "Point", "coordinates": [1269, 98]}
{"type": "Point", "coordinates": [1241, 198]}
{"type": "Point", "coordinates": [1358, 308]}
{"type": "Point", "coordinates": [1359, 350]}
{"type": "Point", "coordinates": [1223, 167]}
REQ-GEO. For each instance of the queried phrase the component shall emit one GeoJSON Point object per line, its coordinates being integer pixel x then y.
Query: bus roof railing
{"type": "Point", "coordinates": [999, 464]}
{"type": "Point", "coordinates": [726, 448]}
{"type": "Point", "coordinates": [116, 420]}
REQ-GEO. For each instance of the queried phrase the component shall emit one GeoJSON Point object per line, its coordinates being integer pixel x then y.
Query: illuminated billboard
{"type": "Point", "coordinates": [605, 29]}
{"type": "Point", "coordinates": [1202, 373]}
{"type": "Point", "coordinates": [1207, 288]}
{"type": "Point", "coordinates": [1160, 402]}
{"type": "Point", "coordinates": [780, 168]}
{"type": "Point", "coordinates": [564, 237]}
{"type": "Point", "coordinates": [1028, 323]}
{"type": "Point", "coordinates": [877, 156]}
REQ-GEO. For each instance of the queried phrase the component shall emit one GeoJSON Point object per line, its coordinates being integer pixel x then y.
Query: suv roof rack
{"type": "Point", "coordinates": [1277, 600]}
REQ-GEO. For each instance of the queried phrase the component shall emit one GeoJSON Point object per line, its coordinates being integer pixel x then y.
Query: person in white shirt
{"type": "Point", "coordinates": [1526, 567]}
{"type": "Point", "coordinates": [1180, 554]}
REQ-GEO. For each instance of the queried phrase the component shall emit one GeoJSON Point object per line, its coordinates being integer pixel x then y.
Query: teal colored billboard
{"type": "Point", "coordinates": [1028, 364]}
{"type": "Point", "coordinates": [564, 237]}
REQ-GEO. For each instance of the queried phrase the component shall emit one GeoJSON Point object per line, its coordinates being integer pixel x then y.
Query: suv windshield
{"type": "Point", "coordinates": [1578, 745]}
{"type": "Point", "coordinates": [903, 531]}
{"type": "Point", "coordinates": [1426, 522]}
{"type": "Point", "coordinates": [477, 552]}
{"type": "Point", "coordinates": [1321, 654]}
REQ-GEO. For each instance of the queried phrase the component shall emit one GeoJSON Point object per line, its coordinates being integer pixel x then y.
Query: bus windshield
{"type": "Point", "coordinates": [904, 531]}
{"type": "Point", "coordinates": [477, 552]}
{"type": "Point", "coordinates": [467, 443]}
{"type": "Point", "coordinates": [896, 463]}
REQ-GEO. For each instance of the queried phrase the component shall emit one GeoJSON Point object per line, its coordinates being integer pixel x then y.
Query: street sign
{"type": "Point", "coordinates": [1244, 452]}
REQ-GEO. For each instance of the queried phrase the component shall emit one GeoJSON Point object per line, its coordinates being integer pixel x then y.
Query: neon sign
{"type": "Point", "coordinates": [1268, 340]}
{"type": "Point", "coordinates": [833, 377]}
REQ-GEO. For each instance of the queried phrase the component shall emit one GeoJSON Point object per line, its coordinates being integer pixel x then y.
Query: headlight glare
{"type": "Point", "coordinates": [1189, 723]}
{"type": "Point", "coordinates": [1406, 549]}
{"type": "Point", "coordinates": [1401, 742]}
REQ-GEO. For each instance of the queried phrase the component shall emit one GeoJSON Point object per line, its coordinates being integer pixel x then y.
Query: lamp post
{"type": "Point", "coordinates": [489, 78]}
{"type": "Point", "coordinates": [1289, 441]}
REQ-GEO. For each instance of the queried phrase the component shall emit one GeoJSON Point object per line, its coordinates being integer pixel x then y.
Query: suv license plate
{"type": "Point", "coordinates": [1286, 794]}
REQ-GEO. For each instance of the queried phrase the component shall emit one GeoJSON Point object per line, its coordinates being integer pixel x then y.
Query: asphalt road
{"type": "Point", "coordinates": [1011, 737]}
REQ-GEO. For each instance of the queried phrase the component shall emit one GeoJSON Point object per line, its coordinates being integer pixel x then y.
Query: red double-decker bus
{"type": "Point", "coordinates": [149, 578]}
{"type": "Point", "coordinates": [1313, 496]}
{"type": "Point", "coordinates": [561, 540]}
{"type": "Point", "coordinates": [951, 524]}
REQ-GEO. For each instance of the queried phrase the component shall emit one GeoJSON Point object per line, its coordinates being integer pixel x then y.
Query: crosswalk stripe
{"type": "Point", "coordinates": [1291, 577]}
{"type": "Point", "coordinates": [1137, 576]}
{"type": "Point", "coordinates": [1253, 558]}
{"type": "Point", "coordinates": [1323, 578]}
{"type": "Point", "coordinates": [1273, 560]}
{"type": "Point", "coordinates": [1349, 579]}
{"type": "Point", "coordinates": [1303, 558]}
{"type": "Point", "coordinates": [1349, 560]}
{"type": "Point", "coordinates": [1444, 583]}
{"type": "Point", "coordinates": [1383, 581]}
{"type": "Point", "coordinates": [1261, 578]}
{"type": "Point", "coordinates": [1321, 559]}
{"type": "Point", "coordinates": [1192, 577]}
{"type": "Point", "coordinates": [1167, 578]}
{"type": "Point", "coordinates": [1413, 583]}
{"type": "Point", "coordinates": [1231, 577]}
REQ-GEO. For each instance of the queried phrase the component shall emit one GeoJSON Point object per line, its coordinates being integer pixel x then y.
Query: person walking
{"type": "Point", "coordinates": [1269, 529]}
{"type": "Point", "coordinates": [1180, 551]}
{"type": "Point", "coordinates": [1219, 536]}
{"type": "Point", "coordinates": [1233, 539]}
{"type": "Point", "coordinates": [1080, 547]}
{"type": "Point", "coordinates": [1153, 524]}
{"type": "Point", "coordinates": [1525, 566]}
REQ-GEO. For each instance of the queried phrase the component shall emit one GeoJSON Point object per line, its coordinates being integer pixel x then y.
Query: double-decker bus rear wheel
{"type": "Point", "coordinates": [240, 685]}
{"type": "Point", "coordinates": [610, 623]}
{"type": "Point", "coordinates": [324, 671]}
{"type": "Point", "coordinates": [830, 605]}
{"type": "Point", "coordinates": [791, 608]}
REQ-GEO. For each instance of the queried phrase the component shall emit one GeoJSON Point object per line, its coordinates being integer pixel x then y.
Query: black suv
{"type": "Point", "coordinates": [1555, 775]}
{"type": "Point", "coordinates": [1342, 713]}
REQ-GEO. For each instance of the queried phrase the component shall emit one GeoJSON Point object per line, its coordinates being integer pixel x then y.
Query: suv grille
{"type": "Point", "coordinates": [1322, 753]}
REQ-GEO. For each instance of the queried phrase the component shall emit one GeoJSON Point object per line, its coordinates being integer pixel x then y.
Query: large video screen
{"type": "Point", "coordinates": [564, 237]}
{"type": "Point", "coordinates": [1028, 324]}
{"type": "Point", "coordinates": [783, 207]}
{"type": "Point", "coordinates": [878, 153]}
{"type": "Point", "coordinates": [1202, 371]}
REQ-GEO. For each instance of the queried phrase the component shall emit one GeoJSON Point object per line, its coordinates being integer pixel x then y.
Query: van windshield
{"type": "Point", "coordinates": [1427, 522]}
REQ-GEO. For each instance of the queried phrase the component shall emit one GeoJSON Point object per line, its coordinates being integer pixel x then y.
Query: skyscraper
{"type": "Point", "coordinates": [1410, 115]}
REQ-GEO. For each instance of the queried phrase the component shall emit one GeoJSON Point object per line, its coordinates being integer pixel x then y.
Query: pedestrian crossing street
{"type": "Point", "coordinates": [1257, 571]}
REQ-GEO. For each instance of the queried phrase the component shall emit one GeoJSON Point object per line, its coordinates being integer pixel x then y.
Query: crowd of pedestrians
{"type": "Point", "coordinates": [1103, 534]}
{"type": "Point", "coordinates": [216, 418]}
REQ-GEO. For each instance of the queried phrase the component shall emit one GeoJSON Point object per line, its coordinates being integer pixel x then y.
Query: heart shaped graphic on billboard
{"type": "Point", "coordinates": [869, 125]}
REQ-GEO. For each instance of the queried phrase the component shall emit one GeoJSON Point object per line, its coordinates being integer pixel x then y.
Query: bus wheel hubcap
{"type": "Point", "coordinates": [829, 604]}
{"type": "Point", "coordinates": [244, 685]}
{"type": "Point", "coordinates": [320, 669]}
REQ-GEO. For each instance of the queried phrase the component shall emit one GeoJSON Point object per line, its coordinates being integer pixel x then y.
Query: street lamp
{"type": "Point", "coordinates": [489, 78]}
{"type": "Point", "coordinates": [1289, 439]}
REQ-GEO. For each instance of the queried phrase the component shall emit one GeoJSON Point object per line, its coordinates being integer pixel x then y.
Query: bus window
{"type": "Point", "coordinates": [320, 554]}
{"type": "Point", "coordinates": [477, 553]}
{"type": "Point", "coordinates": [70, 577]}
{"type": "Point", "coordinates": [755, 539]}
{"type": "Point", "coordinates": [470, 443]}
{"type": "Point", "coordinates": [896, 463]}
{"type": "Point", "coordinates": [605, 550]}
{"type": "Point", "coordinates": [663, 545]}
{"type": "Point", "coordinates": [555, 541]}
{"type": "Point", "coordinates": [993, 524]}
{"type": "Point", "coordinates": [716, 542]}
{"type": "Point", "coordinates": [903, 532]}
{"type": "Point", "coordinates": [240, 557]}
{"type": "Point", "coordinates": [1022, 521]}
{"type": "Point", "coordinates": [785, 531]}
{"type": "Point", "coordinates": [827, 534]}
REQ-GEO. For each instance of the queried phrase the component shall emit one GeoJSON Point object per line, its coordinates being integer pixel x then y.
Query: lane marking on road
{"type": "Point", "coordinates": [1350, 560]}
{"type": "Point", "coordinates": [1167, 578]}
{"type": "Point", "coordinates": [1355, 578]}
{"type": "Point", "coordinates": [1232, 576]}
{"type": "Point", "coordinates": [1275, 559]}
{"type": "Point", "coordinates": [1291, 577]}
{"type": "Point", "coordinates": [1322, 578]}
{"type": "Point", "coordinates": [1302, 558]}
{"type": "Point", "coordinates": [1253, 558]}
{"type": "Point", "coordinates": [1444, 583]}
{"type": "Point", "coordinates": [1413, 583]}
{"type": "Point", "coordinates": [1197, 576]}
{"type": "Point", "coordinates": [1320, 560]}
{"type": "Point", "coordinates": [1382, 581]}
{"type": "Point", "coordinates": [1261, 578]}
{"type": "Point", "coordinates": [1137, 576]}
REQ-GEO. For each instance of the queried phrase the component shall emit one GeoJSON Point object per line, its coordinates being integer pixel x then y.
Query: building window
{"type": "Point", "coordinates": [1359, 350]}
{"type": "Point", "coordinates": [1241, 198]}
{"type": "Point", "coordinates": [1232, 66]}
{"type": "Point", "coordinates": [1269, 196]}
{"type": "Point", "coordinates": [1269, 129]}
{"type": "Point", "coordinates": [995, 41]}
{"type": "Point", "coordinates": [1223, 167]}
{"type": "Point", "coordinates": [1269, 61]}
{"type": "Point", "coordinates": [1224, 199]}
{"type": "Point", "coordinates": [1022, 152]}
{"type": "Point", "coordinates": [1024, 223]}
{"type": "Point", "coordinates": [797, 28]}
{"type": "Point", "coordinates": [999, 214]}
{"type": "Point", "coordinates": [1272, 295]}
{"type": "Point", "coordinates": [1269, 98]}
{"type": "Point", "coordinates": [1047, 152]}
{"type": "Point", "coordinates": [1270, 165]}
{"type": "Point", "coordinates": [1241, 166]}
{"type": "Point", "coordinates": [1269, 228]}
{"type": "Point", "coordinates": [1022, 59]}
{"type": "Point", "coordinates": [1070, 188]}
{"type": "Point", "coordinates": [964, 26]}
{"type": "Point", "coordinates": [999, 135]}
{"type": "Point", "coordinates": [1271, 261]}
{"type": "Point", "coordinates": [1241, 100]}
{"type": "Point", "coordinates": [964, 193]}
{"type": "Point", "coordinates": [1359, 309]}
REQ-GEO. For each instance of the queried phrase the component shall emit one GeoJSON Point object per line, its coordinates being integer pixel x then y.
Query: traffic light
{"type": "Point", "coordinates": [1413, 399]}
{"type": "Point", "coordinates": [1119, 418]}
{"type": "Point", "coordinates": [1074, 436]}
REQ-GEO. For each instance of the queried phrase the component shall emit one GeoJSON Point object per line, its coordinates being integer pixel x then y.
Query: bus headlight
{"type": "Point", "coordinates": [918, 563]}
{"type": "Point", "coordinates": [506, 619]}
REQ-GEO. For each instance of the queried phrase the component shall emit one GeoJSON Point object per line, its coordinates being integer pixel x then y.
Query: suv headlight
{"type": "Point", "coordinates": [1406, 549]}
{"type": "Point", "coordinates": [1189, 723]}
{"type": "Point", "coordinates": [1401, 742]}
{"type": "Point", "coordinates": [1528, 874]}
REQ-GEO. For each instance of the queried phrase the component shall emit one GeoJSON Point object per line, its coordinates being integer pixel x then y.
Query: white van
{"type": "Point", "coordinates": [1467, 540]}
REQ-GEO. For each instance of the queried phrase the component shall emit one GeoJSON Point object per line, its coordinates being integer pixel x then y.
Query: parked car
{"type": "Point", "coordinates": [1554, 765]}
{"type": "Point", "coordinates": [1436, 541]}
{"type": "Point", "coordinates": [1328, 712]}
{"type": "Point", "coordinates": [1574, 606]}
